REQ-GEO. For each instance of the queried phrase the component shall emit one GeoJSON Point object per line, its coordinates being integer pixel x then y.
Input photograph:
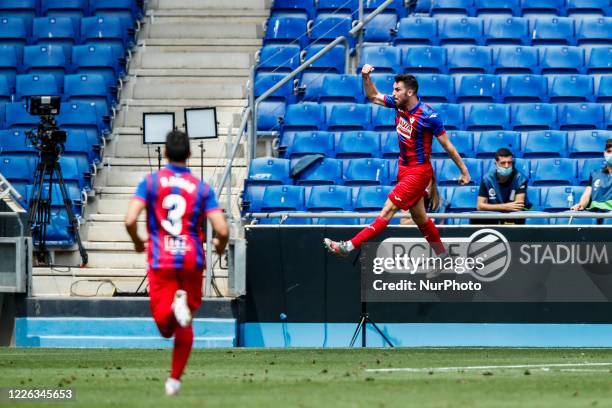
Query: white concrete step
{"type": "Point", "coordinates": [130, 177]}
{"type": "Point", "coordinates": [181, 44]}
{"type": "Point", "coordinates": [212, 30]}
{"type": "Point", "coordinates": [209, 13]}
{"type": "Point", "coordinates": [194, 59]}
{"type": "Point", "coordinates": [238, 74]}
{"type": "Point", "coordinates": [209, 4]}
{"type": "Point", "coordinates": [143, 162]}
{"type": "Point", "coordinates": [185, 88]}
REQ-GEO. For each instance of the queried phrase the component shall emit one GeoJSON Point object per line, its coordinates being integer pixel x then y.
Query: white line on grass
{"type": "Point", "coordinates": [493, 367]}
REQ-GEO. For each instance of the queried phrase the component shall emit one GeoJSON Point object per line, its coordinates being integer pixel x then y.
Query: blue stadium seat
{"type": "Point", "coordinates": [87, 88]}
{"type": "Point", "coordinates": [17, 117]}
{"type": "Point", "coordinates": [562, 60]}
{"type": "Point", "coordinates": [330, 198]}
{"type": "Point", "coordinates": [29, 85]}
{"type": "Point", "coordinates": [268, 170]}
{"type": "Point", "coordinates": [57, 200]}
{"type": "Point", "coordinates": [383, 58]}
{"type": "Point", "coordinates": [505, 7]}
{"type": "Point", "coordinates": [124, 10]}
{"type": "Point", "coordinates": [417, 30]}
{"type": "Point", "coordinates": [55, 31]}
{"type": "Point", "coordinates": [46, 59]}
{"type": "Point", "coordinates": [552, 31]}
{"type": "Point", "coordinates": [460, 30]}
{"type": "Point", "coordinates": [304, 116]}
{"type": "Point", "coordinates": [311, 85]}
{"type": "Point", "coordinates": [72, 174]}
{"type": "Point", "coordinates": [586, 167]}
{"type": "Point", "coordinates": [357, 172]}
{"type": "Point", "coordinates": [78, 142]}
{"type": "Point", "coordinates": [354, 116]}
{"type": "Point", "coordinates": [75, 9]}
{"type": "Point", "coordinates": [389, 145]}
{"type": "Point", "coordinates": [305, 143]}
{"type": "Point", "coordinates": [24, 9]}
{"type": "Point", "coordinates": [287, 29]}
{"type": "Point", "coordinates": [270, 115]}
{"type": "Point", "coordinates": [462, 140]}
{"type": "Point", "coordinates": [581, 116]}
{"type": "Point", "coordinates": [448, 173]}
{"type": "Point", "coordinates": [15, 142]}
{"type": "Point", "coordinates": [19, 170]}
{"type": "Point", "coordinates": [452, 115]}
{"type": "Point", "coordinates": [600, 61]}
{"type": "Point", "coordinates": [59, 232]}
{"type": "Point", "coordinates": [9, 65]}
{"type": "Point", "coordinates": [79, 115]}
{"type": "Point", "coordinates": [13, 32]}
{"type": "Point", "coordinates": [463, 7]}
{"type": "Point", "coordinates": [252, 197]}
{"type": "Point", "coordinates": [516, 60]}
{"type": "Point", "coordinates": [338, 7]}
{"type": "Point", "coordinates": [588, 143]}
{"type": "Point", "coordinates": [534, 196]}
{"type": "Point", "coordinates": [336, 221]}
{"type": "Point", "coordinates": [573, 221]}
{"type": "Point", "coordinates": [489, 141]}
{"type": "Point", "coordinates": [544, 144]}
{"type": "Point", "coordinates": [381, 28]}
{"type": "Point", "coordinates": [371, 198]}
{"type": "Point", "coordinates": [463, 199]}
{"type": "Point", "coordinates": [326, 171]}
{"type": "Point", "coordinates": [383, 82]}
{"type": "Point", "coordinates": [383, 118]}
{"type": "Point", "coordinates": [571, 88]}
{"type": "Point", "coordinates": [424, 59]}
{"type": "Point", "coordinates": [524, 88]}
{"type": "Point", "coordinates": [608, 113]}
{"type": "Point", "coordinates": [397, 7]}
{"type": "Point", "coordinates": [358, 144]}
{"type": "Point", "coordinates": [97, 59]}
{"type": "Point", "coordinates": [556, 198]}
{"type": "Point", "coordinates": [469, 59]}
{"type": "Point", "coordinates": [490, 116]}
{"type": "Point", "coordinates": [604, 89]}
{"type": "Point", "coordinates": [554, 172]}
{"type": "Point", "coordinates": [436, 88]}
{"type": "Point", "coordinates": [278, 58]}
{"type": "Point", "coordinates": [104, 30]}
{"type": "Point", "coordinates": [506, 31]}
{"type": "Point", "coordinates": [521, 165]}
{"type": "Point", "coordinates": [478, 88]}
{"type": "Point", "coordinates": [328, 27]}
{"type": "Point", "coordinates": [283, 198]}
{"type": "Point", "coordinates": [555, 7]}
{"type": "Point", "coordinates": [534, 116]}
{"type": "Point", "coordinates": [341, 88]}
{"type": "Point", "coordinates": [582, 7]}
{"type": "Point", "coordinates": [6, 94]}
{"type": "Point", "coordinates": [333, 61]}
{"type": "Point", "coordinates": [265, 81]}
{"type": "Point", "coordinates": [594, 31]}
{"type": "Point", "coordinates": [305, 7]}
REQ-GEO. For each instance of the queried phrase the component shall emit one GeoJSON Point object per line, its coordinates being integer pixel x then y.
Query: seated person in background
{"type": "Point", "coordinates": [504, 188]}
{"type": "Point", "coordinates": [599, 191]}
{"type": "Point", "coordinates": [433, 202]}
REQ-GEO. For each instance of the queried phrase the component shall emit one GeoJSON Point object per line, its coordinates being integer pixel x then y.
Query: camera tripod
{"type": "Point", "coordinates": [39, 216]}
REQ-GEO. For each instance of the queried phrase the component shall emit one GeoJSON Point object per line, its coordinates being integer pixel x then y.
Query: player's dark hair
{"type": "Point", "coordinates": [608, 144]}
{"type": "Point", "coordinates": [502, 152]}
{"type": "Point", "coordinates": [177, 146]}
{"type": "Point", "coordinates": [410, 82]}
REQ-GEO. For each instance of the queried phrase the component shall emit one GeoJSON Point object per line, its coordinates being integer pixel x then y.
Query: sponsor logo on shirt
{"type": "Point", "coordinates": [176, 245]}
{"type": "Point", "coordinates": [404, 128]}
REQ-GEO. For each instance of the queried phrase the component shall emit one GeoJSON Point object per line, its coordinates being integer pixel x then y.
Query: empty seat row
{"type": "Point", "coordinates": [363, 144]}
{"type": "Point", "coordinates": [349, 8]}
{"type": "Point", "coordinates": [275, 115]}
{"type": "Point", "coordinates": [445, 88]}
{"type": "Point", "coordinates": [369, 171]}
{"type": "Point", "coordinates": [514, 7]}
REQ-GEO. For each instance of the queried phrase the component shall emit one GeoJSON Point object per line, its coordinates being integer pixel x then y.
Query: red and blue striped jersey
{"type": "Point", "coordinates": [415, 131]}
{"type": "Point", "coordinates": [177, 204]}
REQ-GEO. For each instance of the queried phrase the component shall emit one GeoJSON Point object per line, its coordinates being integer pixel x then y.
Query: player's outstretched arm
{"type": "Point", "coordinates": [131, 223]}
{"type": "Point", "coordinates": [219, 224]}
{"type": "Point", "coordinates": [371, 92]}
{"type": "Point", "coordinates": [453, 154]}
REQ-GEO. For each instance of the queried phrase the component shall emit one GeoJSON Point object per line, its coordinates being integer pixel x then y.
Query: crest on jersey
{"type": "Point", "coordinates": [404, 128]}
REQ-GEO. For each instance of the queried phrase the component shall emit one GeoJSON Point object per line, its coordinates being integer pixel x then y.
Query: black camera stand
{"type": "Point", "coordinates": [39, 216]}
{"type": "Point", "coordinates": [364, 320]}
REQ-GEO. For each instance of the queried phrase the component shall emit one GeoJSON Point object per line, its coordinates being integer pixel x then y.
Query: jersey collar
{"type": "Point", "coordinates": [415, 107]}
{"type": "Point", "coordinates": [177, 169]}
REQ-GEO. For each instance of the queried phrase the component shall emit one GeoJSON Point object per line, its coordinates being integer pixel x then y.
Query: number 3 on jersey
{"type": "Point", "coordinates": [176, 205]}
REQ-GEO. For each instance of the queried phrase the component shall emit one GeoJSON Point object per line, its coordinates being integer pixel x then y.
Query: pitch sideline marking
{"type": "Point", "coordinates": [493, 367]}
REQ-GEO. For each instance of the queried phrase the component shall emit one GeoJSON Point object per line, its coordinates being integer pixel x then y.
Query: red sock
{"type": "Point", "coordinates": [370, 231]}
{"type": "Point", "coordinates": [432, 235]}
{"type": "Point", "coordinates": [183, 340]}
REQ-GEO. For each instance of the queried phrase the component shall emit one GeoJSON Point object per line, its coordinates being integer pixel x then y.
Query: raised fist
{"type": "Point", "coordinates": [366, 70]}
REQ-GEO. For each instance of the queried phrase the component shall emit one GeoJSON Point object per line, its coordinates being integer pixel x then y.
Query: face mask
{"type": "Point", "coordinates": [608, 159]}
{"type": "Point", "coordinates": [504, 171]}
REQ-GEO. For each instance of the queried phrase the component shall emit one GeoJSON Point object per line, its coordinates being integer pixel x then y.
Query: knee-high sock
{"type": "Point", "coordinates": [371, 231]}
{"type": "Point", "coordinates": [183, 341]}
{"type": "Point", "coordinates": [432, 235]}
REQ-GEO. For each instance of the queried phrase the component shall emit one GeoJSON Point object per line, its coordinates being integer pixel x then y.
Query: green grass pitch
{"type": "Point", "coordinates": [317, 378]}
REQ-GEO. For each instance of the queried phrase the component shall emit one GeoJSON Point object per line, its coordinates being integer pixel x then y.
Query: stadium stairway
{"type": "Point", "coordinates": [190, 53]}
